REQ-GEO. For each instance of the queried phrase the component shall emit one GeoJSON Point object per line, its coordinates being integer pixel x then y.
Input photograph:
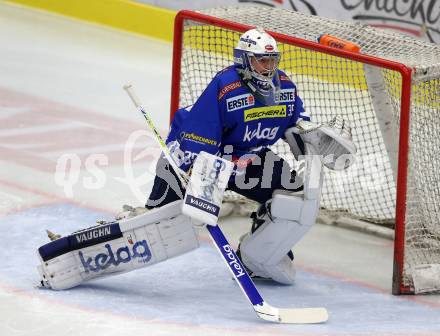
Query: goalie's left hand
{"type": "Point", "coordinates": [332, 141]}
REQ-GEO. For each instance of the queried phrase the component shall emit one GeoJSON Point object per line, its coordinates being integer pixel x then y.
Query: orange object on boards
{"type": "Point", "coordinates": [335, 42]}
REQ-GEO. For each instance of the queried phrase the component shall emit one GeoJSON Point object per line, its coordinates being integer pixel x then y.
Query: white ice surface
{"type": "Point", "coordinates": [60, 92]}
{"type": "Point", "coordinates": [194, 292]}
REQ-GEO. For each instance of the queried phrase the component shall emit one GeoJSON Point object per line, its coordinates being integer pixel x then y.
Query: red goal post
{"type": "Point", "coordinates": [203, 40]}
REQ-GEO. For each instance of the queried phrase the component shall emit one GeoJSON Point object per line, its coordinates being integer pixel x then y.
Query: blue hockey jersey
{"type": "Point", "coordinates": [227, 119]}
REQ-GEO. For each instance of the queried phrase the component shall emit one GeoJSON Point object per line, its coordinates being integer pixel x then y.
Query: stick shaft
{"type": "Point", "coordinates": [165, 150]}
{"type": "Point", "coordinates": [234, 264]}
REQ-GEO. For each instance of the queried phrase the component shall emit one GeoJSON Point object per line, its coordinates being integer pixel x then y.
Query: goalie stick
{"type": "Point", "coordinates": [261, 307]}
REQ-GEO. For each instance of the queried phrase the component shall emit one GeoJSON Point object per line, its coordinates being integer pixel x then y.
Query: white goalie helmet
{"type": "Point", "coordinates": [256, 58]}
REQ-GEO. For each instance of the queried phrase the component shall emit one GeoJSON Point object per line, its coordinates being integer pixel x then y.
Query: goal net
{"type": "Point", "coordinates": [389, 93]}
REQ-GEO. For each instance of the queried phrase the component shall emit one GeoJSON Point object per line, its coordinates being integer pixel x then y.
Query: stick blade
{"type": "Point", "coordinates": [293, 315]}
{"type": "Point", "coordinates": [303, 315]}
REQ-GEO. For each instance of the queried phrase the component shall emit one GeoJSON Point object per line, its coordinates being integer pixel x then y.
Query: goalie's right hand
{"type": "Point", "coordinates": [204, 193]}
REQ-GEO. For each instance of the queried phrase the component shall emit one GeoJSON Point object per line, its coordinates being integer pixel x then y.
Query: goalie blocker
{"type": "Point", "coordinates": [204, 193]}
{"type": "Point", "coordinates": [116, 247]}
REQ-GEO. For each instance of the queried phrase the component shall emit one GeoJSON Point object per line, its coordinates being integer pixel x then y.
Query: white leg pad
{"type": "Point", "coordinates": [264, 251]}
{"type": "Point", "coordinates": [114, 248]}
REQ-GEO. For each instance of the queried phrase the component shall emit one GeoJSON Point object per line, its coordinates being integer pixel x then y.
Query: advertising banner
{"type": "Point", "coordinates": [418, 18]}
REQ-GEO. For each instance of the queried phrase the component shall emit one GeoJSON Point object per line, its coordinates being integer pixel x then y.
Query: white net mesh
{"type": "Point", "coordinates": [330, 86]}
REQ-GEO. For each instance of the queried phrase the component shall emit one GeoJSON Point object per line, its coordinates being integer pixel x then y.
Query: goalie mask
{"type": "Point", "coordinates": [256, 59]}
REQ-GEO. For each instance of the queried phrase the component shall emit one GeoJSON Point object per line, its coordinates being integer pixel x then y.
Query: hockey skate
{"type": "Point", "coordinates": [129, 212]}
{"type": "Point", "coordinates": [52, 236]}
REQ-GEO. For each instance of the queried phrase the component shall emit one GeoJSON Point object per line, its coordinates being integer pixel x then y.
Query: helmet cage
{"type": "Point", "coordinates": [243, 61]}
{"type": "Point", "coordinates": [261, 82]}
{"type": "Point", "coordinates": [263, 66]}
